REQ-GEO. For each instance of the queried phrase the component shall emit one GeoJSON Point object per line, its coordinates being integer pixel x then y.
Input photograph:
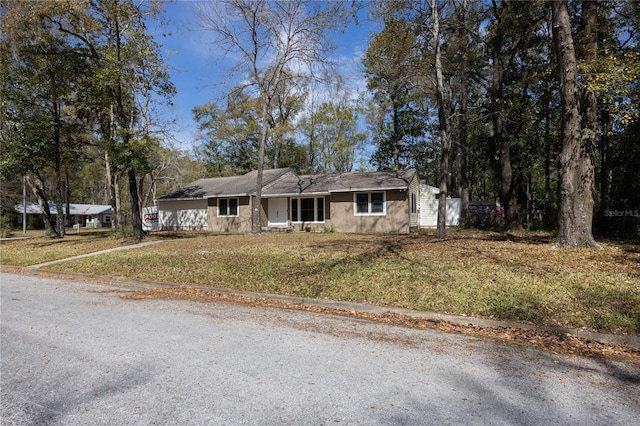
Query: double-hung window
{"type": "Point", "coordinates": [370, 203]}
{"type": "Point", "coordinates": [227, 207]}
{"type": "Point", "coordinates": [307, 209]}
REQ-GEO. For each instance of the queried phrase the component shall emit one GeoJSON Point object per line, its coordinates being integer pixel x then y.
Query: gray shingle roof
{"type": "Point", "coordinates": [283, 182]}
{"type": "Point", "coordinates": [225, 186]}
{"type": "Point", "coordinates": [341, 182]}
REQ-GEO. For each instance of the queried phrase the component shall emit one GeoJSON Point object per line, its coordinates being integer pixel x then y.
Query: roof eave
{"type": "Point", "coordinates": [365, 189]}
{"type": "Point", "coordinates": [295, 194]}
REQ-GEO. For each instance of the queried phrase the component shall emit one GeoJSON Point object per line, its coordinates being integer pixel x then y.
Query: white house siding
{"type": "Point", "coordinates": [428, 206]}
{"type": "Point", "coordinates": [183, 214]}
{"type": "Point", "coordinates": [414, 188]}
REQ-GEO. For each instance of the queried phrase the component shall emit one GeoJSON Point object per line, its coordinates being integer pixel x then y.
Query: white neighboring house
{"type": "Point", "coordinates": [428, 207]}
{"type": "Point", "coordinates": [85, 215]}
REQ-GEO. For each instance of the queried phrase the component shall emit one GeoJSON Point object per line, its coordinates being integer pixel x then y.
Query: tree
{"type": "Point", "coordinates": [41, 79]}
{"type": "Point", "coordinates": [126, 65]}
{"type": "Point", "coordinates": [330, 130]}
{"type": "Point", "coordinates": [230, 136]}
{"type": "Point", "coordinates": [576, 157]}
{"type": "Point", "coordinates": [288, 102]}
{"type": "Point", "coordinates": [274, 42]}
{"type": "Point", "coordinates": [443, 124]}
{"type": "Point", "coordinates": [401, 124]}
{"type": "Point", "coordinates": [513, 62]}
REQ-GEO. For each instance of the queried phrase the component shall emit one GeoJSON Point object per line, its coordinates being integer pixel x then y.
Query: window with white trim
{"type": "Point", "coordinates": [227, 207]}
{"type": "Point", "coordinates": [414, 203]}
{"type": "Point", "coordinates": [370, 203]}
{"type": "Point", "coordinates": [307, 209]}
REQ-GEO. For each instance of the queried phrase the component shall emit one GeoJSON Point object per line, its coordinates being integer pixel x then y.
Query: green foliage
{"type": "Point", "coordinates": [401, 124]}
{"type": "Point", "coordinates": [336, 138]}
{"type": "Point", "coordinates": [73, 72]}
{"type": "Point", "coordinates": [229, 137]}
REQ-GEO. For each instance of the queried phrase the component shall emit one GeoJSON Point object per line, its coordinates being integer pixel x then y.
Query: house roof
{"type": "Point", "coordinates": [284, 182]}
{"type": "Point", "coordinates": [225, 186]}
{"type": "Point", "coordinates": [367, 181]}
{"type": "Point", "coordinates": [74, 209]}
{"type": "Point", "coordinates": [292, 185]}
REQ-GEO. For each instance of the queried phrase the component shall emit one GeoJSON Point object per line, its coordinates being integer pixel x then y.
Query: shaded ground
{"type": "Point", "coordinates": [555, 342]}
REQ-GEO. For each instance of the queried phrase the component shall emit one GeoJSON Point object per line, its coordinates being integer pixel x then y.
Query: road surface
{"type": "Point", "coordinates": [76, 353]}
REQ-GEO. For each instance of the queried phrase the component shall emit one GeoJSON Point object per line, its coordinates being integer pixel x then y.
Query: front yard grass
{"type": "Point", "coordinates": [37, 248]}
{"type": "Point", "coordinates": [469, 273]}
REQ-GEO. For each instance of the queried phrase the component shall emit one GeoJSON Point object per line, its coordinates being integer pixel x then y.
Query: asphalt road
{"type": "Point", "coordinates": [78, 354]}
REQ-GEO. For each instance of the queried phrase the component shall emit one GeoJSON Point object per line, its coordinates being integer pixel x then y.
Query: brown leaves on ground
{"type": "Point", "coordinates": [556, 343]}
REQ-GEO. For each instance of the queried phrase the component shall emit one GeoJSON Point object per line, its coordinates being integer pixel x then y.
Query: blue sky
{"type": "Point", "coordinates": [192, 63]}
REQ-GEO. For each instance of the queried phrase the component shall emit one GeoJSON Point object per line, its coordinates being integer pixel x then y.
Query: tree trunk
{"type": "Point", "coordinates": [464, 144]}
{"type": "Point", "coordinates": [443, 130]}
{"type": "Point", "coordinates": [256, 227]}
{"type": "Point", "coordinates": [547, 220]}
{"type": "Point", "coordinates": [59, 192]}
{"type": "Point", "coordinates": [37, 187]}
{"type": "Point", "coordinates": [113, 190]}
{"type": "Point", "coordinates": [136, 213]}
{"type": "Point", "coordinates": [507, 185]}
{"type": "Point", "coordinates": [576, 166]}
{"type": "Point", "coordinates": [464, 113]}
{"type": "Point", "coordinates": [67, 196]}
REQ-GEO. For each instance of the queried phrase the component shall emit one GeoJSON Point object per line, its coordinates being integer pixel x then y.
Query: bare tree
{"type": "Point", "coordinates": [273, 42]}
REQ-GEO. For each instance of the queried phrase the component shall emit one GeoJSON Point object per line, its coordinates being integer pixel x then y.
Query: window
{"type": "Point", "coordinates": [370, 203]}
{"type": "Point", "coordinates": [307, 209]}
{"type": "Point", "coordinates": [414, 208]}
{"type": "Point", "coordinates": [362, 203]}
{"type": "Point", "coordinates": [227, 207]}
{"type": "Point", "coordinates": [107, 218]}
{"type": "Point", "coordinates": [320, 209]}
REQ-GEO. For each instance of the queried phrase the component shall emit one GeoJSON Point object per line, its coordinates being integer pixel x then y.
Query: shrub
{"type": "Point", "coordinates": [486, 217]}
{"type": "Point", "coordinates": [5, 226]}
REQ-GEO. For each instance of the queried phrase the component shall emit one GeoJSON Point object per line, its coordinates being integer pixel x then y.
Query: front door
{"type": "Point", "coordinates": [278, 212]}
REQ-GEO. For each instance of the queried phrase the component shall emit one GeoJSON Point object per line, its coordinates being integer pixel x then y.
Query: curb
{"type": "Point", "coordinates": [631, 341]}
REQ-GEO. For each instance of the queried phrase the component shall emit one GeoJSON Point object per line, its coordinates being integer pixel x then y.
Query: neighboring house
{"type": "Point", "coordinates": [383, 202]}
{"type": "Point", "coordinates": [87, 215]}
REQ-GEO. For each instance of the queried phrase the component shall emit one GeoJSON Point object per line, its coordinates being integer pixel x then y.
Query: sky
{"type": "Point", "coordinates": [191, 59]}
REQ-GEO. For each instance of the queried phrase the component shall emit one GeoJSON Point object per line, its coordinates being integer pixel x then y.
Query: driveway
{"type": "Point", "coordinates": [76, 353]}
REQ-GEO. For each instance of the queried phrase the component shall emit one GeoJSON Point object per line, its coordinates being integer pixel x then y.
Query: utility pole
{"type": "Point", "coordinates": [24, 204]}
